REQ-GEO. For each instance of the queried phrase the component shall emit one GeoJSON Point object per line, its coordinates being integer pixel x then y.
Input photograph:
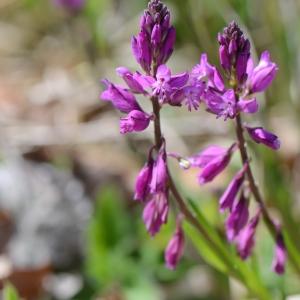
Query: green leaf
{"type": "Point", "coordinates": [216, 256]}
{"type": "Point", "coordinates": [206, 252]}
{"type": "Point", "coordinates": [10, 293]}
{"type": "Point", "coordinates": [110, 241]}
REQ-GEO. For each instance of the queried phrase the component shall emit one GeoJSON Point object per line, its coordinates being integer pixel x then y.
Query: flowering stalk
{"type": "Point", "coordinates": [245, 80]}
{"type": "Point", "coordinates": [152, 48]}
{"type": "Point", "coordinates": [177, 196]}
{"type": "Point", "coordinates": [255, 190]}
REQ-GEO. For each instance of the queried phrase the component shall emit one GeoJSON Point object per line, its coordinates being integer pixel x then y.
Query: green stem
{"type": "Point", "coordinates": [219, 251]}
{"type": "Point", "coordinates": [255, 190]}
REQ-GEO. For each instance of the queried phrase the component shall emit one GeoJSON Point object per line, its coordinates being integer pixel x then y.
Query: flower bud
{"type": "Point", "coordinates": [174, 250]}
{"type": "Point", "coordinates": [234, 51]}
{"type": "Point", "coordinates": [121, 98]}
{"type": "Point", "coordinates": [245, 239]}
{"type": "Point", "coordinates": [156, 35]}
{"type": "Point", "coordinates": [141, 49]}
{"type": "Point", "coordinates": [262, 75]}
{"type": "Point", "coordinates": [280, 255]}
{"type": "Point", "coordinates": [238, 218]}
{"type": "Point", "coordinates": [155, 213]}
{"type": "Point", "coordinates": [143, 181]}
{"type": "Point", "coordinates": [159, 172]}
{"type": "Point", "coordinates": [260, 135]}
{"type": "Point", "coordinates": [216, 166]}
{"type": "Point", "coordinates": [227, 199]}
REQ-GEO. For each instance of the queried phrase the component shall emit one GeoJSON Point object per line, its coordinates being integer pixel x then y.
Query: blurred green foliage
{"type": "Point", "coordinates": [10, 293]}
{"type": "Point", "coordinates": [119, 250]}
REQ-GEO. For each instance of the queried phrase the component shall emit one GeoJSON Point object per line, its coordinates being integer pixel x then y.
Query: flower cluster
{"type": "Point", "coordinates": [244, 81]}
{"type": "Point", "coordinates": [152, 48]}
{"type": "Point", "coordinates": [226, 96]}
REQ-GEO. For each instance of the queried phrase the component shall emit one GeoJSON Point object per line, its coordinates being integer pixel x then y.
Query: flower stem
{"type": "Point", "coordinates": [157, 127]}
{"type": "Point", "coordinates": [255, 190]}
{"type": "Point", "coordinates": [233, 270]}
{"type": "Point", "coordinates": [180, 201]}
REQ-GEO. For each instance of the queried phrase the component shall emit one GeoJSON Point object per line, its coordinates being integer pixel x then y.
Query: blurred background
{"type": "Point", "coordinates": [68, 226]}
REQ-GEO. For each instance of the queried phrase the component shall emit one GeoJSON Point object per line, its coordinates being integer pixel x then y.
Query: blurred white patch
{"type": "Point", "coordinates": [63, 286]}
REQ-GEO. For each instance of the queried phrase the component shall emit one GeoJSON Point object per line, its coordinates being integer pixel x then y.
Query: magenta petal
{"type": "Point", "coordinates": [263, 74]}
{"type": "Point", "coordinates": [121, 98]}
{"type": "Point", "coordinates": [168, 46]}
{"type": "Point", "coordinates": [224, 57]}
{"type": "Point", "coordinates": [218, 80]}
{"type": "Point", "coordinates": [179, 80]}
{"type": "Point", "coordinates": [163, 73]}
{"type": "Point", "coordinates": [159, 173]}
{"type": "Point", "coordinates": [280, 257]}
{"type": "Point", "coordinates": [228, 197]}
{"type": "Point", "coordinates": [193, 94]}
{"type": "Point", "coordinates": [177, 97]}
{"type": "Point", "coordinates": [136, 120]}
{"type": "Point", "coordinates": [135, 48]}
{"type": "Point", "coordinates": [155, 213]}
{"type": "Point", "coordinates": [143, 181]}
{"type": "Point", "coordinates": [245, 239]}
{"type": "Point", "coordinates": [141, 49]}
{"type": "Point", "coordinates": [223, 105]}
{"type": "Point", "coordinates": [238, 218]}
{"type": "Point", "coordinates": [216, 166]}
{"type": "Point", "coordinates": [204, 70]}
{"type": "Point", "coordinates": [144, 80]}
{"type": "Point", "coordinates": [156, 35]}
{"type": "Point", "coordinates": [174, 250]}
{"type": "Point", "coordinates": [201, 159]}
{"type": "Point", "coordinates": [260, 135]}
{"type": "Point", "coordinates": [131, 80]}
{"type": "Point", "coordinates": [249, 106]}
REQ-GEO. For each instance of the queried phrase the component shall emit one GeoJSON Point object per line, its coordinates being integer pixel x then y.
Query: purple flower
{"type": "Point", "coordinates": [142, 184]}
{"type": "Point", "coordinates": [260, 77]}
{"type": "Point", "coordinates": [174, 250]}
{"type": "Point", "coordinates": [121, 98]}
{"type": "Point", "coordinates": [141, 49]}
{"type": "Point", "coordinates": [137, 82]}
{"type": "Point", "coordinates": [203, 158]}
{"type": "Point", "coordinates": [260, 135]}
{"type": "Point", "coordinates": [245, 239]}
{"type": "Point", "coordinates": [238, 217]}
{"type": "Point", "coordinates": [155, 42]}
{"type": "Point", "coordinates": [156, 189]}
{"type": "Point", "coordinates": [156, 211]}
{"type": "Point", "coordinates": [156, 35]}
{"type": "Point", "coordinates": [205, 71]}
{"type": "Point", "coordinates": [159, 172]}
{"type": "Point", "coordinates": [153, 178]}
{"type": "Point", "coordinates": [221, 105]}
{"type": "Point", "coordinates": [136, 120]}
{"type": "Point", "coordinates": [215, 166]}
{"type": "Point", "coordinates": [280, 255]}
{"type": "Point", "coordinates": [166, 85]}
{"type": "Point", "coordinates": [192, 95]}
{"type": "Point", "coordinates": [234, 51]}
{"type": "Point", "coordinates": [72, 5]}
{"type": "Point", "coordinates": [249, 106]}
{"type": "Point", "coordinates": [224, 57]}
{"type": "Point", "coordinates": [167, 46]}
{"type": "Point", "coordinates": [226, 106]}
{"type": "Point", "coordinates": [228, 197]}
